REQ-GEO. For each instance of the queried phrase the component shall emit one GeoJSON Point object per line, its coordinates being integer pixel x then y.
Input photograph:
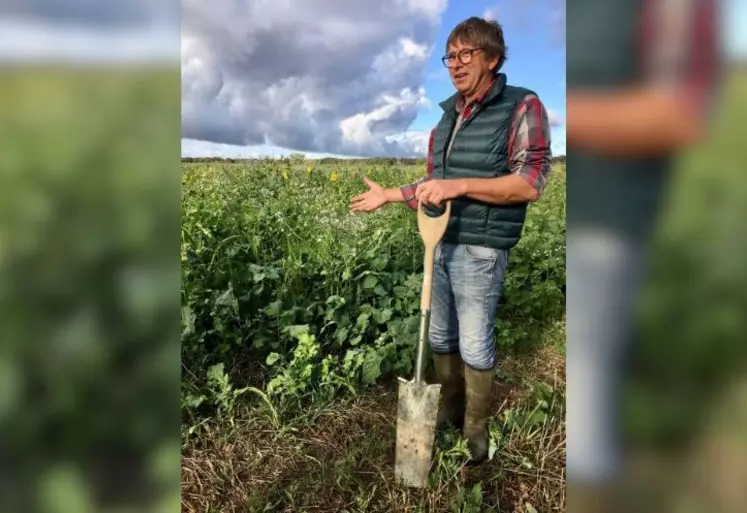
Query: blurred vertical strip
{"type": "Point", "coordinates": [89, 276]}
{"type": "Point", "coordinates": [656, 273]}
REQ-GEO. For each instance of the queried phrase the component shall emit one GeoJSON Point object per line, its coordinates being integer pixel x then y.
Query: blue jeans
{"type": "Point", "coordinates": [604, 275]}
{"type": "Point", "coordinates": [467, 283]}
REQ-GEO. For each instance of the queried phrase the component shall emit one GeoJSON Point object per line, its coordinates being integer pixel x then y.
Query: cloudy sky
{"type": "Point", "coordinates": [357, 78]}
{"type": "Point", "coordinates": [268, 77]}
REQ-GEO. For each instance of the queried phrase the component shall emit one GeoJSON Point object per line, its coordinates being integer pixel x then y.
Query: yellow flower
{"type": "Point", "coordinates": [334, 177]}
{"type": "Point", "coordinates": [308, 169]}
{"type": "Point", "coordinates": [285, 174]}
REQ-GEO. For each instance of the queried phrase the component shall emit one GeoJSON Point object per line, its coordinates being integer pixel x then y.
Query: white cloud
{"type": "Point", "coordinates": [430, 8]}
{"type": "Point", "coordinates": [416, 141]}
{"type": "Point", "coordinates": [539, 18]}
{"type": "Point", "coordinates": [554, 118]}
{"type": "Point", "coordinates": [490, 14]}
{"type": "Point", "coordinates": [557, 142]}
{"type": "Point", "coordinates": [315, 76]}
{"type": "Point", "coordinates": [197, 148]}
{"type": "Point", "coordinates": [29, 40]}
{"type": "Point", "coordinates": [90, 31]}
{"type": "Point", "coordinates": [362, 132]}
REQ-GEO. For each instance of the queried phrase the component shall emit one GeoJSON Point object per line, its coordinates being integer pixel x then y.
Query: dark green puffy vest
{"type": "Point", "coordinates": [620, 194]}
{"type": "Point", "coordinates": [480, 150]}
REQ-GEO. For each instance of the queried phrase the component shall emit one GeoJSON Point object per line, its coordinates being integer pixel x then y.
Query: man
{"type": "Point", "coordinates": [639, 81]}
{"type": "Point", "coordinates": [489, 155]}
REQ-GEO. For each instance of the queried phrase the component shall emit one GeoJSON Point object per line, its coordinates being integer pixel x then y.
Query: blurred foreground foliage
{"type": "Point", "coordinates": [693, 311]}
{"type": "Point", "coordinates": [89, 369]}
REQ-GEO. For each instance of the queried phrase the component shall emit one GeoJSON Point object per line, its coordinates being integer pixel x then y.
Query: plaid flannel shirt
{"type": "Point", "coordinates": [528, 145]}
{"type": "Point", "coordinates": [678, 49]}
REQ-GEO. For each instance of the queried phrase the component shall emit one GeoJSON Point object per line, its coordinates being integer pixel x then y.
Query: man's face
{"type": "Point", "coordinates": [468, 77]}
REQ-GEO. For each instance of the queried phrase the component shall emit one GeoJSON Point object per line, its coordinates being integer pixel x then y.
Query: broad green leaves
{"type": "Point", "coordinates": [274, 265]}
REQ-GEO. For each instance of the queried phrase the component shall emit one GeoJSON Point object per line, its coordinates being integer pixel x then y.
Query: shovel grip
{"type": "Point", "coordinates": [425, 314]}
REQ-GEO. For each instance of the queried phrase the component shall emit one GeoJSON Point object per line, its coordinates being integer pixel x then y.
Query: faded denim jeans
{"type": "Point", "coordinates": [604, 273]}
{"type": "Point", "coordinates": [467, 283]}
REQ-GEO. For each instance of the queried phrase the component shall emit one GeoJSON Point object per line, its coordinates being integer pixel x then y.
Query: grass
{"type": "Point", "coordinates": [338, 456]}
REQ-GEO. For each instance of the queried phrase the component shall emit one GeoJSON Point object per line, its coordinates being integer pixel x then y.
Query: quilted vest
{"type": "Point", "coordinates": [480, 150]}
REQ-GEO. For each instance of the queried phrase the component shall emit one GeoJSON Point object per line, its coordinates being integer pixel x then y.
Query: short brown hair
{"type": "Point", "coordinates": [481, 33]}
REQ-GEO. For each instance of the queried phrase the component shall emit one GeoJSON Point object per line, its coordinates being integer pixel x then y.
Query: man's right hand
{"type": "Point", "coordinates": [370, 200]}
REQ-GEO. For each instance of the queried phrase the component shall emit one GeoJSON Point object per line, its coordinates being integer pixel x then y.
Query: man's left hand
{"type": "Point", "coordinates": [434, 192]}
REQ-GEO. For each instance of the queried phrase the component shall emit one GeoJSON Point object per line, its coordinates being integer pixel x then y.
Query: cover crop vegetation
{"type": "Point", "coordinates": [297, 316]}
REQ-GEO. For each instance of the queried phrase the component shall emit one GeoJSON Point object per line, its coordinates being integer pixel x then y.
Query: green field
{"type": "Point", "coordinates": [298, 317]}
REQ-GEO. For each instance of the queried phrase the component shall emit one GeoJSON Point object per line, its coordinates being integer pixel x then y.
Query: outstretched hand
{"type": "Point", "coordinates": [370, 200]}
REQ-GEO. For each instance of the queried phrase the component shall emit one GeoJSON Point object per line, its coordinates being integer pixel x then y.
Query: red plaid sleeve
{"type": "Point", "coordinates": [529, 143]}
{"type": "Point", "coordinates": [679, 49]}
{"type": "Point", "coordinates": [408, 191]}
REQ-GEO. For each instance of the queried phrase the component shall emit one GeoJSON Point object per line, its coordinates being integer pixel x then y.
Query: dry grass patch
{"type": "Point", "coordinates": [339, 457]}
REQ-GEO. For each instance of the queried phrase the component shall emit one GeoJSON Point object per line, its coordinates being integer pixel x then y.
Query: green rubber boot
{"type": "Point", "coordinates": [450, 374]}
{"type": "Point", "coordinates": [479, 384]}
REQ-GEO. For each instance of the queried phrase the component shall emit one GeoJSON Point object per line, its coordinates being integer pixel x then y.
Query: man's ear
{"type": "Point", "coordinates": [494, 64]}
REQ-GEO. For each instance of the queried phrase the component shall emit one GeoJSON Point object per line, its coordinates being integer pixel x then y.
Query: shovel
{"type": "Point", "coordinates": [418, 402]}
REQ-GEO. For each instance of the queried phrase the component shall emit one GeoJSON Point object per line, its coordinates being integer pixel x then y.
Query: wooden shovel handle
{"type": "Point", "coordinates": [431, 230]}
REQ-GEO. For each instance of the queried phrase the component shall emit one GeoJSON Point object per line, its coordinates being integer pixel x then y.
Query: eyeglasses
{"type": "Point", "coordinates": [465, 57]}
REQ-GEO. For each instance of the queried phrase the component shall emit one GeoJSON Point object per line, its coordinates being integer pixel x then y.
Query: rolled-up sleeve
{"type": "Point", "coordinates": [529, 143]}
